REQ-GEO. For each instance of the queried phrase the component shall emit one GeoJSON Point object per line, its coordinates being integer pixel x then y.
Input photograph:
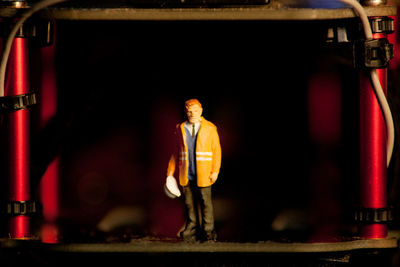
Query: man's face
{"type": "Point", "coordinates": [194, 113]}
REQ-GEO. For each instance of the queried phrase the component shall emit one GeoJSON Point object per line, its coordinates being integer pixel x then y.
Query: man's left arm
{"type": "Point", "coordinates": [216, 160]}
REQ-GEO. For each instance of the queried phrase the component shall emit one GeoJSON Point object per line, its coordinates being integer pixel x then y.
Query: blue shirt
{"type": "Point", "coordinates": [191, 146]}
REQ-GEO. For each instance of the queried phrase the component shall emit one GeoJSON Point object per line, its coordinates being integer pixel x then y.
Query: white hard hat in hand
{"type": "Point", "coordinates": [171, 188]}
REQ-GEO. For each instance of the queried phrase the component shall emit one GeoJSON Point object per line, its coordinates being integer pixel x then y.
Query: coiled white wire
{"type": "Point", "coordinates": [376, 85]}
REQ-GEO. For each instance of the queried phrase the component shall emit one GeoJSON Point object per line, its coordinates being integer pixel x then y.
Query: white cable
{"type": "Point", "coordinates": [363, 16]}
{"type": "Point", "coordinates": [380, 95]}
{"type": "Point", "coordinates": [7, 47]}
{"type": "Point", "coordinates": [387, 114]}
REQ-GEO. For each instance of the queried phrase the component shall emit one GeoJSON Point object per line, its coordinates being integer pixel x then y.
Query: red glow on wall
{"type": "Point", "coordinates": [49, 186]}
{"type": "Point", "coordinates": [49, 192]}
{"type": "Point", "coordinates": [325, 131]}
{"type": "Point", "coordinates": [324, 108]}
{"type": "Point", "coordinates": [50, 233]}
{"type": "Point", "coordinates": [166, 216]}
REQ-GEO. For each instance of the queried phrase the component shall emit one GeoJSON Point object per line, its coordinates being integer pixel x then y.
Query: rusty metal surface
{"type": "Point", "coordinates": [155, 252]}
{"type": "Point", "coordinates": [275, 10]}
{"type": "Point", "coordinates": [228, 247]}
{"type": "Point", "coordinates": [156, 245]}
{"type": "Point", "coordinates": [202, 13]}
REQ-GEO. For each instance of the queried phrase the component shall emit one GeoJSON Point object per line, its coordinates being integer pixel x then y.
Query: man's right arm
{"type": "Point", "coordinates": [171, 165]}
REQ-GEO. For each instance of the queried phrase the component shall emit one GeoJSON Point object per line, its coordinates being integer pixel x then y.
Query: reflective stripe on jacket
{"type": "Point", "coordinates": [208, 154]}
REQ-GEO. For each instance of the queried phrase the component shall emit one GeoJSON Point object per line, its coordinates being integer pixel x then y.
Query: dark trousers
{"type": "Point", "coordinates": [199, 211]}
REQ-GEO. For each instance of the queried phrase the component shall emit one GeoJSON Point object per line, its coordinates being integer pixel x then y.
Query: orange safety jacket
{"type": "Point", "coordinates": [208, 154]}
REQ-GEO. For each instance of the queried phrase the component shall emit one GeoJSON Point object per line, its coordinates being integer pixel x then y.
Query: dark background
{"type": "Point", "coordinates": [122, 87]}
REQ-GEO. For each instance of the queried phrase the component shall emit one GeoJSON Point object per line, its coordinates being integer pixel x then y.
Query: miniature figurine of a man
{"type": "Point", "coordinates": [198, 156]}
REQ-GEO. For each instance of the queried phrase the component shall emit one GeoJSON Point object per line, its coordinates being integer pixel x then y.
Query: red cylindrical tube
{"type": "Point", "coordinates": [18, 136]}
{"type": "Point", "coordinates": [373, 139]}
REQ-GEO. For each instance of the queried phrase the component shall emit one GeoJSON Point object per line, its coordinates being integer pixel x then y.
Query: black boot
{"type": "Point", "coordinates": [189, 234]}
{"type": "Point", "coordinates": [211, 236]}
